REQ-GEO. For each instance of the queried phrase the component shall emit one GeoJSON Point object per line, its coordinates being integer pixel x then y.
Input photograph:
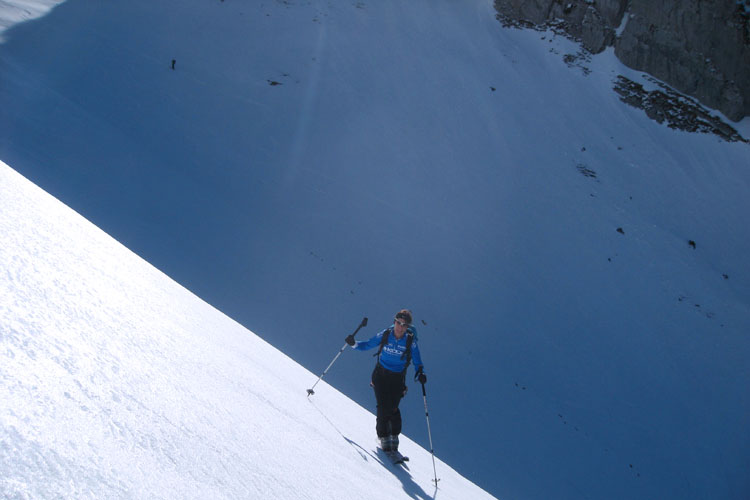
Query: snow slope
{"type": "Point", "coordinates": [116, 382]}
{"type": "Point", "coordinates": [16, 11]}
{"type": "Point", "coordinates": [308, 163]}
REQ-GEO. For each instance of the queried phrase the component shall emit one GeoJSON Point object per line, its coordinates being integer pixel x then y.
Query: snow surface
{"type": "Point", "coordinates": [16, 11]}
{"type": "Point", "coordinates": [119, 383]}
{"type": "Point", "coordinates": [381, 170]}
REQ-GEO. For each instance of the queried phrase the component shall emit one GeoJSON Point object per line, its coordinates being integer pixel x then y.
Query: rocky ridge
{"type": "Point", "coordinates": [699, 47]}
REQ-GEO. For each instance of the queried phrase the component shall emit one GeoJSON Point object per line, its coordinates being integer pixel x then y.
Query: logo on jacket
{"type": "Point", "coordinates": [397, 350]}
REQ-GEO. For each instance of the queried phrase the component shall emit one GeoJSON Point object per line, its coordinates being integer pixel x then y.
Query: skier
{"type": "Point", "coordinates": [397, 348]}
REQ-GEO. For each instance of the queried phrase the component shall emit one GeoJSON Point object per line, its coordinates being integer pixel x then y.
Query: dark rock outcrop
{"type": "Point", "coordinates": [677, 112]}
{"type": "Point", "coordinates": [699, 47]}
{"type": "Point", "coordinates": [591, 22]}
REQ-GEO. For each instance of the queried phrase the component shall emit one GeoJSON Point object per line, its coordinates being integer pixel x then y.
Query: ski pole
{"type": "Point", "coordinates": [310, 391]}
{"type": "Point", "coordinates": [429, 434]}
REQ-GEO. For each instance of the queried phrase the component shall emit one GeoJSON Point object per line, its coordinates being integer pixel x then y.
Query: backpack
{"type": "Point", "coordinates": [411, 335]}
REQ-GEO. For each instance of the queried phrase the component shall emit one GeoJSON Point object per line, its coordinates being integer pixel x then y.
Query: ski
{"type": "Point", "coordinates": [396, 457]}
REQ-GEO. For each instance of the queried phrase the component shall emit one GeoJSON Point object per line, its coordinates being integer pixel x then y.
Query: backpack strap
{"type": "Point", "coordinates": [383, 342]}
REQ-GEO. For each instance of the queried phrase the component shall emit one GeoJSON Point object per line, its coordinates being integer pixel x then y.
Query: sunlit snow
{"type": "Point", "coordinates": [116, 382]}
{"type": "Point", "coordinates": [310, 162]}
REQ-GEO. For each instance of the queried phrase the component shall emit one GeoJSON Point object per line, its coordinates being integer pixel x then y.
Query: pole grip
{"type": "Point", "coordinates": [362, 324]}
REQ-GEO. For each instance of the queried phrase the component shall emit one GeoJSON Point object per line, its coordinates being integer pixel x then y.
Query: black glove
{"type": "Point", "coordinates": [420, 376]}
{"type": "Point", "coordinates": [350, 340]}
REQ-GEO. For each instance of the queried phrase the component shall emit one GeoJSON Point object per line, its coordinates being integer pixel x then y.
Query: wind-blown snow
{"type": "Point", "coordinates": [16, 11]}
{"type": "Point", "coordinates": [311, 162]}
{"type": "Point", "coordinates": [116, 382]}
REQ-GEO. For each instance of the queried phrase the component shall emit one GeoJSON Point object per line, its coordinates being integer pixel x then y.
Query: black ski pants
{"type": "Point", "coordinates": [389, 389]}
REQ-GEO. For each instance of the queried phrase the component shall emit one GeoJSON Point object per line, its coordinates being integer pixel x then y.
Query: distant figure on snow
{"type": "Point", "coordinates": [173, 63]}
{"type": "Point", "coordinates": [397, 347]}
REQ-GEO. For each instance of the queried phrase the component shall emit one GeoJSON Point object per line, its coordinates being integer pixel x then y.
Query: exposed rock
{"type": "Point", "coordinates": [679, 112]}
{"type": "Point", "coordinates": [586, 171]}
{"type": "Point", "coordinates": [592, 23]}
{"type": "Point", "coordinates": [700, 47]}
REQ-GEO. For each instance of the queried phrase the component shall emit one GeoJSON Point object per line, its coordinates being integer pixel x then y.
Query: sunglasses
{"type": "Point", "coordinates": [401, 323]}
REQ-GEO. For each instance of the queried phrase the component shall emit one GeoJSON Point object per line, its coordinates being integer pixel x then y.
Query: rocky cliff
{"type": "Point", "coordinates": [699, 47]}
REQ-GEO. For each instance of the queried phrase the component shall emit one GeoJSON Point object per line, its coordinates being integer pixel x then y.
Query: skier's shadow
{"type": "Point", "coordinates": [362, 452]}
{"type": "Point", "coordinates": [400, 471]}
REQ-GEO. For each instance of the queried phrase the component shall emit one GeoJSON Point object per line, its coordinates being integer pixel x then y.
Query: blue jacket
{"type": "Point", "coordinates": [391, 355]}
